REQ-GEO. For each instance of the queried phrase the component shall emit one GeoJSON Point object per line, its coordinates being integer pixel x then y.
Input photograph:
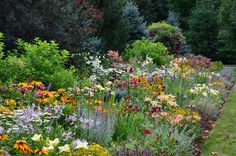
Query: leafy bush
{"type": "Point", "coordinates": [39, 60]}
{"type": "Point", "coordinates": [167, 34]}
{"type": "Point", "coordinates": [144, 47]}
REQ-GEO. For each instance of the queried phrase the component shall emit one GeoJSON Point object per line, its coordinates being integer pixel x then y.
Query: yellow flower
{"type": "Point", "coordinates": [108, 84]}
{"type": "Point", "coordinates": [99, 88]}
{"type": "Point", "coordinates": [11, 102]}
{"type": "Point", "coordinates": [36, 83]}
{"type": "Point", "coordinates": [5, 110]}
{"type": "Point", "coordinates": [22, 146]}
{"type": "Point", "coordinates": [23, 85]}
{"type": "Point", "coordinates": [98, 101]}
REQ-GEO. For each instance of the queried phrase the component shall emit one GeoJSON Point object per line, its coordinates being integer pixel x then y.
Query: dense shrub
{"type": "Point", "coordinates": [40, 60]}
{"type": "Point", "coordinates": [137, 28]}
{"type": "Point", "coordinates": [144, 48]}
{"type": "Point", "coordinates": [169, 35]}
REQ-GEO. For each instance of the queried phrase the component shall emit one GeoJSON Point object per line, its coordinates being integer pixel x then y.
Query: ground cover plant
{"type": "Point", "coordinates": [147, 104]}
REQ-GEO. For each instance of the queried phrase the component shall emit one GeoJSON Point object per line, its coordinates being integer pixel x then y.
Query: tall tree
{"type": "Point", "coordinates": [203, 28]}
{"type": "Point", "coordinates": [137, 28]}
{"type": "Point", "coordinates": [227, 31]}
{"type": "Point", "coordinates": [115, 27]}
{"type": "Point", "coordinates": [183, 9]}
{"type": "Point", "coordinates": [70, 23]}
{"type": "Point", "coordinates": [154, 10]}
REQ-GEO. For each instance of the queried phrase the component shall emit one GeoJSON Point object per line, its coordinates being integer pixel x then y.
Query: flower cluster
{"type": "Point", "coordinates": [204, 90]}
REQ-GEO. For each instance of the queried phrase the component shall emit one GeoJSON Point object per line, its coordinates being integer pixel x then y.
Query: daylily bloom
{"type": "Point", "coordinates": [65, 148]}
{"type": "Point", "coordinates": [22, 146]}
{"type": "Point", "coordinates": [36, 137]}
{"type": "Point", "coordinates": [80, 144]}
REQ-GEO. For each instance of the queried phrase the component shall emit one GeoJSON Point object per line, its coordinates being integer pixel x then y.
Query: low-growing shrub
{"type": "Point", "coordinates": [169, 35]}
{"type": "Point", "coordinates": [144, 48]}
{"type": "Point", "coordinates": [39, 60]}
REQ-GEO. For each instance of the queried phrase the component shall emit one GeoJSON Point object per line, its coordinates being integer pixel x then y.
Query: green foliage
{"type": "Point", "coordinates": [183, 9]}
{"type": "Point", "coordinates": [153, 10]}
{"type": "Point", "coordinates": [167, 34]}
{"type": "Point", "coordinates": [137, 24]}
{"type": "Point", "coordinates": [144, 47]}
{"type": "Point", "coordinates": [1, 45]}
{"type": "Point", "coordinates": [227, 31]}
{"type": "Point", "coordinates": [40, 60]}
{"type": "Point", "coordinates": [203, 28]}
{"type": "Point", "coordinates": [115, 27]}
{"type": "Point", "coordinates": [216, 66]}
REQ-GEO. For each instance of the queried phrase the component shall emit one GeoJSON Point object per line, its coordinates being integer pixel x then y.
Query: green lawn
{"type": "Point", "coordinates": [222, 140]}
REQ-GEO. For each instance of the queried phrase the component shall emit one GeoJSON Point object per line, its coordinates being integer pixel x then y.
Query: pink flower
{"type": "Point", "coordinates": [41, 86]}
{"type": "Point", "coordinates": [164, 114]}
{"type": "Point", "coordinates": [155, 115]}
{"type": "Point", "coordinates": [177, 119]}
{"type": "Point", "coordinates": [39, 93]}
{"type": "Point", "coordinates": [134, 83]}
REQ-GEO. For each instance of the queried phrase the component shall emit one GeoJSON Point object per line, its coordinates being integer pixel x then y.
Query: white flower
{"type": "Point", "coordinates": [65, 148]}
{"type": "Point", "coordinates": [204, 94]}
{"type": "Point", "coordinates": [54, 142]}
{"type": "Point", "coordinates": [80, 144]}
{"type": "Point", "coordinates": [36, 137]}
{"type": "Point", "coordinates": [49, 148]}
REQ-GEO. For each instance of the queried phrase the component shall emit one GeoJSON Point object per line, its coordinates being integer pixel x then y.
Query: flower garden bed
{"type": "Point", "coordinates": [133, 108]}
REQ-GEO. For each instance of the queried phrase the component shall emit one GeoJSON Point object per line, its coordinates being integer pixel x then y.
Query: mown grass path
{"type": "Point", "coordinates": [222, 140]}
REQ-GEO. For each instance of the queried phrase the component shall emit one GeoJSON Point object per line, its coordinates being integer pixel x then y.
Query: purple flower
{"type": "Point", "coordinates": [49, 86]}
{"type": "Point", "coordinates": [75, 88]}
{"type": "Point", "coordinates": [1, 130]}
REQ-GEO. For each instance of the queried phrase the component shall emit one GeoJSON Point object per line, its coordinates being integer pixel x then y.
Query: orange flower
{"type": "Point", "coordinates": [61, 90]}
{"type": "Point", "coordinates": [3, 137]}
{"type": "Point", "coordinates": [22, 146]}
{"type": "Point", "coordinates": [67, 99]}
{"type": "Point", "coordinates": [41, 151]}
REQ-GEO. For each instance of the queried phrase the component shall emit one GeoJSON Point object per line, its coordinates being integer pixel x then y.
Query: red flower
{"type": "Point", "coordinates": [146, 131]}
